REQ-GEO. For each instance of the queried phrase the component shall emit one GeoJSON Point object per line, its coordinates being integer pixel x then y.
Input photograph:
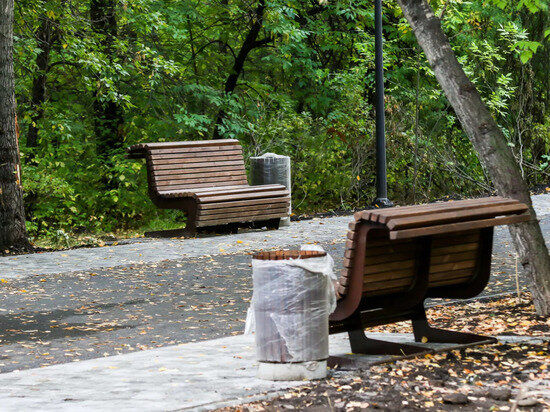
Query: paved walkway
{"type": "Point", "coordinates": [128, 300]}
{"type": "Point", "coordinates": [139, 251]}
{"type": "Point", "coordinates": [193, 376]}
{"type": "Point", "coordinates": [93, 311]}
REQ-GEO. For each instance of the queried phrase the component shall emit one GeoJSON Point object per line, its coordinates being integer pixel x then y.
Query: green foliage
{"type": "Point", "coordinates": [306, 91]}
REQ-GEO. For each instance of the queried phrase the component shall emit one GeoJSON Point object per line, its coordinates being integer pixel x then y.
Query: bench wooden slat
{"type": "Point", "coordinates": [387, 284]}
{"type": "Point", "coordinates": [213, 206]}
{"type": "Point", "coordinates": [390, 257]}
{"type": "Point", "coordinates": [200, 160]}
{"type": "Point", "coordinates": [224, 210]}
{"type": "Point", "coordinates": [388, 267]}
{"type": "Point", "coordinates": [449, 267]}
{"type": "Point", "coordinates": [462, 247]}
{"type": "Point", "coordinates": [448, 282]}
{"type": "Point", "coordinates": [396, 274]}
{"type": "Point", "coordinates": [453, 274]}
{"type": "Point", "coordinates": [256, 195]}
{"type": "Point", "coordinates": [399, 223]}
{"type": "Point", "coordinates": [190, 187]}
{"type": "Point", "coordinates": [193, 165]}
{"type": "Point", "coordinates": [455, 227]}
{"type": "Point", "coordinates": [442, 240]}
{"type": "Point", "coordinates": [194, 149]}
{"type": "Point", "coordinates": [245, 214]}
{"type": "Point", "coordinates": [383, 215]}
{"type": "Point", "coordinates": [209, 156]}
{"type": "Point", "coordinates": [183, 182]}
{"type": "Point", "coordinates": [245, 218]}
{"type": "Point", "coordinates": [243, 189]}
{"type": "Point", "coordinates": [220, 174]}
{"type": "Point", "coordinates": [167, 174]}
{"type": "Point", "coordinates": [191, 143]}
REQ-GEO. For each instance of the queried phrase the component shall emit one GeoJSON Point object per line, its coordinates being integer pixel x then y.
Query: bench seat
{"type": "Point", "coordinates": [396, 258]}
{"type": "Point", "coordinates": [207, 179]}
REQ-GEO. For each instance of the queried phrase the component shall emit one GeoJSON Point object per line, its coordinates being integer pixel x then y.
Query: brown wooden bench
{"type": "Point", "coordinates": [207, 180]}
{"type": "Point", "coordinates": [396, 258]}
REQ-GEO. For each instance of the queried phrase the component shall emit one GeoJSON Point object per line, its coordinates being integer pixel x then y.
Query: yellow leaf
{"type": "Point", "coordinates": [65, 45]}
{"type": "Point", "coordinates": [239, 241]}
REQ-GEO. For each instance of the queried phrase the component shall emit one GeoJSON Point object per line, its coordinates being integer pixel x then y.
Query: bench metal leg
{"type": "Point", "coordinates": [273, 224]}
{"type": "Point", "coordinates": [423, 332]}
{"type": "Point", "coordinates": [171, 233]}
{"type": "Point", "coordinates": [360, 343]}
{"type": "Point", "coordinates": [270, 224]}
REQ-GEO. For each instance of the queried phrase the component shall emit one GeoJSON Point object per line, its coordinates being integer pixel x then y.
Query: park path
{"type": "Point", "coordinates": [140, 251]}
{"type": "Point", "coordinates": [192, 377]}
{"type": "Point", "coordinates": [152, 321]}
{"type": "Point", "coordinates": [82, 304]}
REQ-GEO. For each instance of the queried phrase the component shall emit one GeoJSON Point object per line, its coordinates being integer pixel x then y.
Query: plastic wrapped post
{"type": "Point", "coordinates": [293, 297]}
{"type": "Point", "coordinates": [271, 169]}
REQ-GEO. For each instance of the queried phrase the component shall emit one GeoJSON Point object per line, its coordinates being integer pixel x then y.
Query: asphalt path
{"type": "Point", "coordinates": [141, 301]}
{"type": "Point", "coordinates": [74, 316]}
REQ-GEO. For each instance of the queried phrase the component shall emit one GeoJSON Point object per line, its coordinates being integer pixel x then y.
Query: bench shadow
{"type": "Point", "coordinates": [49, 325]}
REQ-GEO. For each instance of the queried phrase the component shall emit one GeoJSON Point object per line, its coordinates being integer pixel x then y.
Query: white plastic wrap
{"type": "Point", "coordinates": [271, 168]}
{"type": "Point", "coordinates": [290, 307]}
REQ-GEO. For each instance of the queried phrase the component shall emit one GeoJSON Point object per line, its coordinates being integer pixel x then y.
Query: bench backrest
{"type": "Point", "coordinates": [180, 166]}
{"type": "Point", "coordinates": [456, 243]}
{"type": "Point", "coordinates": [390, 266]}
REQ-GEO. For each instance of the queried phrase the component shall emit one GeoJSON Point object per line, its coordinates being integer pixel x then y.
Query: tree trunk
{"type": "Point", "coordinates": [44, 40]}
{"type": "Point", "coordinates": [13, 233]}
{"type": "Point", "coordinates": [249, 44]}
{"type": "Point", "coordinates": [488, 140]}
{"type": "Point", "coordinates": [108, 119]}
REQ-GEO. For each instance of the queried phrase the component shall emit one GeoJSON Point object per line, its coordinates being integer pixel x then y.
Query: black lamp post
{"type": "Point", "coordinates": [381, 178]}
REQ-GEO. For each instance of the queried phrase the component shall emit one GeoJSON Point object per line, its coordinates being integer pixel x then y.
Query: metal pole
{"type": "Point", "coordinates": [381, 178]}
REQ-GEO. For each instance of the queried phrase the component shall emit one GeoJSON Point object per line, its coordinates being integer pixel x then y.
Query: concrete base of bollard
{"type": "Point", "coordinates": [292, 371]}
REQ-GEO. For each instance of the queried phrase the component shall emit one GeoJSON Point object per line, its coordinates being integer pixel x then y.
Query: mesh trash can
{"type": "Point", "coordinates": [293, 297]}
{"type": "Point", "coordinates": [271, 169]}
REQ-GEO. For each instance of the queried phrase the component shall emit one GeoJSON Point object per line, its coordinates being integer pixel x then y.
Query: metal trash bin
{"type": "Point", "coordinates": [293, 297]}
{"type": "Point", "coordinates": [270, 169]}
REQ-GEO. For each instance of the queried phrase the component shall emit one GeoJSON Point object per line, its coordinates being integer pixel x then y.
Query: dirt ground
{"type": "Point", "coordinates": [499, 377]}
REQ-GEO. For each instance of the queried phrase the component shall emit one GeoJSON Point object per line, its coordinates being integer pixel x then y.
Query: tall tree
{"type": "Point", "coordinates": [489, 141]}
{"type": "Point", "coordinates": [108, 119]}
{"type": "Point", "coordinates": [44, 38]}
{"type": "Point", "coordinates": [250, 43]}
{"type": "Point", "coordinates": [13, 233]}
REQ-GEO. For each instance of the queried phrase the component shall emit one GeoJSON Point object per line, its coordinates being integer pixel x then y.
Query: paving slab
{"type": "Point", "coordinates": [194, 376]}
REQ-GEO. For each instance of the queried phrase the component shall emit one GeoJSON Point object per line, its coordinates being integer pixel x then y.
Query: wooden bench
{"type": "Point", "coordinates": [396, 258]}
{"type": "Point", "coordinates": [207, 180]}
